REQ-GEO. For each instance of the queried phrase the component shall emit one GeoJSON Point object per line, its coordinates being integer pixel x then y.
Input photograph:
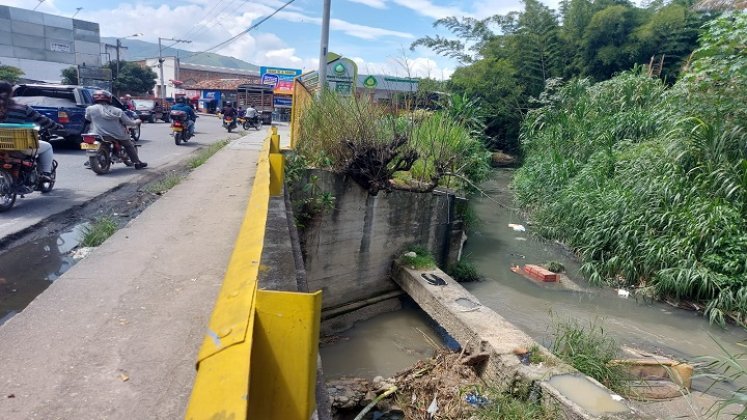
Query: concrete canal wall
{"type": "Point", "coordinates": [348, 250]}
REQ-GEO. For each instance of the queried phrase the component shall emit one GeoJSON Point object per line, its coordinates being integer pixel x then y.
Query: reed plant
{"type": "Point", "coordinates": [647, 185]}
{"type": "Point", "coordinates": [98, 231]}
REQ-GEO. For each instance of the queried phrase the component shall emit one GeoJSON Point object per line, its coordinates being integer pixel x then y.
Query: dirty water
{"type": "Point", "coordinates": [494, 248]}
{"type": "Point", "coordinates": [381, 346]}
{"type": "Point", "coordinates": [596, 400]}
{"type": "Point", "coordinates": [28, 269]}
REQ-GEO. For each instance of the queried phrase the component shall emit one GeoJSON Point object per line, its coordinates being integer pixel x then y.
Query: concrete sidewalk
{"type": "Point", "coordinates": [116, 337]}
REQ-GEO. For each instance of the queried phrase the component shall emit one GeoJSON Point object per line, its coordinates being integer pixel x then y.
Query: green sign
{"type": "Point", "coordinates": [370, 82]}
{"type": "Point", "coordinates": [345, 88]}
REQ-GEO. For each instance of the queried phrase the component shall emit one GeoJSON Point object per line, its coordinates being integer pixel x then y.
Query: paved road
{"type": "Point", "coordinates": [76, 184]}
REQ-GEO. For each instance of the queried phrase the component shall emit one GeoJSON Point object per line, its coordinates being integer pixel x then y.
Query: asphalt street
{"type": "Point", "coordinates": [76, 184]}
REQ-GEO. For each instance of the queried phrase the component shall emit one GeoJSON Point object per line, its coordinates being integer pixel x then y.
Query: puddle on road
{"type": "Point", "coordinates": [28, 269]}
{"type": "Point", "coordinates": [591, 397]}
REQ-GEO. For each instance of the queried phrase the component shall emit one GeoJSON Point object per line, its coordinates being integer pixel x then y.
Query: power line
{"type": "Point", "coordinates": [244, 32]}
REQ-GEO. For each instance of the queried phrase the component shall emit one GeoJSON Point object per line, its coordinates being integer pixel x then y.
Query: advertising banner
{"type": "Point", "coordinates": [280, 78]}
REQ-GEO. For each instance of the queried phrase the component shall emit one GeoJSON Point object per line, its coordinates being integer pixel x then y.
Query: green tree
{"type": "Point", "coordinates": [493, 82]}
{"type": "Point", "coordinates": [70, 76]}
{"type": "Point", "coordinates": [132, 78]}
{"type": "Point", "coordinates": [607, 45]}
{"type": "Point", "coordinates": [10, 74]}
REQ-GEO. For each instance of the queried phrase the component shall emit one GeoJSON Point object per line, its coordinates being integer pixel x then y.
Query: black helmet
{"type": "Point", "coordinates": [102, 96]}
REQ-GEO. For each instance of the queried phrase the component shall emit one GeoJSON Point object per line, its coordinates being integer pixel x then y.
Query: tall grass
{"type": "Point", "coordinates": [648, 185]}
{"type": "Point", "coordinates": [98, 231]}
{"type": "Point", "coordinates": [206, 153]}
{"type": "Point", "coordinates": [337, 130]}
{"type": "Point", "coordinates": [590, 350]}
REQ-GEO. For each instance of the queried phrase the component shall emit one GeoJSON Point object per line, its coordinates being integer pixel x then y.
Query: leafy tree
{"type": "Point", "coordinates": [70, 76]}
{"type": "Point", "coordinates": [132, 78]}
{"type": "Point", "coordinates": [607, 44]}
{"type": "Point", "coordinates": [493, 82]}
{"type": "Point", "coordinates": [10, 74]}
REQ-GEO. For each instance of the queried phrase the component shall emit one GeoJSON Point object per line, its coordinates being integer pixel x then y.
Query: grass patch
{"type": "Point", "coordinates": [464, 271]}
{"type": "Point", "coordinates": [423, 258]}
{"type": "Point", "coordinates": [590, 350]}
{"type": "Point", "coordinates": [519, 404]}
{"type": "Point", "coordinates": [555, 267]}
{"type": "Point", "coordinates": [205, 154]}
{"type": "Point", "coordinates": [535, 355]}
{"type": "Point", "coordinates": [98, 231]}
{"type": "Point", "coordinates": [165, 184]}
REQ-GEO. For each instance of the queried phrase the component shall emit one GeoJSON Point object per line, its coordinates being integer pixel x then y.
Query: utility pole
{"type": "Point", "coordinates": [324, 46]}
{"type": "Point", "coordinates": [117, 47]}
{"type": "Point", "coordinates": [162, 85]}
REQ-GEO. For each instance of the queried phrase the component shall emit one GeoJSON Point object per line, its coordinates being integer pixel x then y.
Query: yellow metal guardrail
{"type": "Point", "coordinates": [258, 359]}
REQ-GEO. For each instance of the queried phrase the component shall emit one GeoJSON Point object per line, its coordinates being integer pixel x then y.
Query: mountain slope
{"type": "Point", "coordinates": [138, 50]}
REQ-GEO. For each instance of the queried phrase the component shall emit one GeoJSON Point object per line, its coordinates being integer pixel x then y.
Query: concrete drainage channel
{"type": "Point", "coordinates": [479, 329]}
{"type": "Point", "coordinates": [32, 259]}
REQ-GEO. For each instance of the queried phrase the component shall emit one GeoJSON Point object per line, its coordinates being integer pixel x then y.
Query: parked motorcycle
{"type": "Point", "coordinates": [180, 126]}
{"type": "Point", "coordinates": [229, 123]}
{"type": "Point", "coordinates": [102, 153]}
{"type": "Point", "coordinates": [19, 173]}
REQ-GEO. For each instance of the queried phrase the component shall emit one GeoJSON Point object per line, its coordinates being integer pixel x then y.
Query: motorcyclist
{"type": "Point", "coordinates": [111, 122]}
{"type": "Point", "coordinates": [242, 112]}
{"type": "Point", "coordinates": [229, 111]}
{"type": "Point", "coordinates": [181, 105]}
{"type": "Point", "coordinates": [14, 113]}
{"type": "Point", "coordinates": [252, 114]}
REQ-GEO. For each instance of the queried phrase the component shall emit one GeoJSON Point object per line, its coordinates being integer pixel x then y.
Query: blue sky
{"type": "Point", "coordinates": [375, 33]}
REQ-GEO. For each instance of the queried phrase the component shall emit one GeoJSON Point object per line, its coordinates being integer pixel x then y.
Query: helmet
{"type": "Point", "coordinates": [102, 96]}
{"type": "Point", "coordinates": [6, 87]}
{"type": "Point", "coordinates": [128, 96]}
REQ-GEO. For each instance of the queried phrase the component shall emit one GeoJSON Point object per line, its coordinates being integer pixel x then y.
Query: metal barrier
{"type": "Point", "coordinates": [302, 98]}
{"type": "Point", "coordinates": [258, 359]}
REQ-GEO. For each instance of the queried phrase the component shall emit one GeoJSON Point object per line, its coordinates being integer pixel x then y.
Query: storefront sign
{"type": "Point", "coordinates": [342, 75]}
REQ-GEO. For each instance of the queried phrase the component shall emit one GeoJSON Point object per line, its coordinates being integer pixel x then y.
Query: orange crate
{"type": "Point", "coordinates": [18, 138]}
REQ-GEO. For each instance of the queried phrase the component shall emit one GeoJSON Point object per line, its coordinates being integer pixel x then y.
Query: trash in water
{"type": "Point", "coordinates": [623, 293]}
{"type": "Point", "coordinates": [517, 228]}
{"type": "Point", "coordinates": [616, 397]}
{"type": "Point", "coordinates": [519, 238]}
{"type": "Point", "coordinates": [475, 399]}
{"type": "Point", "coordinates": [410, 254]}
{"type": "Point", "coordinates": [518, 255]}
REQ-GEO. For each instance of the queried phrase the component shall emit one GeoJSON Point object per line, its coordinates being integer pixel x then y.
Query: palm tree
{"type": "Point", "coordinates": [721, 5]}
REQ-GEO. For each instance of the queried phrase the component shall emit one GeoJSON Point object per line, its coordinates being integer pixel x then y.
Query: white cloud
{"type": "Point", "coordinates": [410, 67]}
{"type": "Point", "coordinates": [376, 4]}
{"type": "Point", "coordinates": [429, 9]}
{"type": "Point", "coordinates": [365, 32]}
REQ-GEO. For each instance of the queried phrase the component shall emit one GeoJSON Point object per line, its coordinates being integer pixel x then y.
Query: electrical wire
{"type": "Point", "coordinates": [245, 31]}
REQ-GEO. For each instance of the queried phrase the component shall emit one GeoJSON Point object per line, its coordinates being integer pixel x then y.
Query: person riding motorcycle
{"type": "Point", "coordinates": [111, 122]}
{"type": "Point", "coordinates": [252, 114]}
{"type": "Point", "coordinates": [229, 111]}
{"type": "Point", "coordinates": [181, 105]}
{"type": "Point", "coordinates": [14, 113]}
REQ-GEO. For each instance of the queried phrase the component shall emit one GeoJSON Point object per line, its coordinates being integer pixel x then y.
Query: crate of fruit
{"type": "Point", "coordinates": [18, 137]}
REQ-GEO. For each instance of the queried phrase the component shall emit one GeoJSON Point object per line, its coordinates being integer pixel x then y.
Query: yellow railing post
{"type": "Point", "coordinates": [277, 171]}
{"type": "Point", "coordinates": [274, 141]}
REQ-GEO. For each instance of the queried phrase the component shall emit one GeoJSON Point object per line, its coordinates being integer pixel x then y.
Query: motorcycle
{"type": "Point", "coordinates": [19, 173]}
{"type": "Point", "coordinates": [248, 122]}
{"type": "Point", "coordinates": [134, 131]}
{"type": "Point", "coordinates": [229, 123]}
{"type": "Point", "coordinates": [180, 127]}
{"type": "Point", "coordinates": [102, 153]}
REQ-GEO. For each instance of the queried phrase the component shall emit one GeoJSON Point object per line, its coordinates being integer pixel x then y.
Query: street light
{"type": "Point", "coordinates": [77, 10]}
{"type": "Point", "coordinates": [162, 85]}
{"type": "Point", "coordinates": [118, 46]}
{"type": "Point", "coordinates": [40, 3]}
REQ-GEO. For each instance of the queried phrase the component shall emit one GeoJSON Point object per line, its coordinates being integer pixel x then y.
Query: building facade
{"type": "Point", "coordinates": [42, 45]}
{"type": "Point", "coordinates": [177, 75]}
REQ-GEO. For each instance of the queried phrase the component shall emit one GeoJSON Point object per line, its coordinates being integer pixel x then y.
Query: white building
{"type": "Point", "coordinates": [177, 73]}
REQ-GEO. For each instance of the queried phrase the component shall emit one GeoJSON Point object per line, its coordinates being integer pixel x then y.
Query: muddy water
{"type": "Point", "coordinates": [380, 346]}
{"type": "Point", "coordinates": [28, 269]}
{"type": "Point", "coordinates": [494, 247]}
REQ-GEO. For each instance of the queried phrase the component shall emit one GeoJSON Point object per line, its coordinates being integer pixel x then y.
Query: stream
{"type": "Point", "coordinates": [494, 247]}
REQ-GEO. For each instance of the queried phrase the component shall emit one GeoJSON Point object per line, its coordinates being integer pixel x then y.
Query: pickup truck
{"type": "Point", "coordinates": [64, 104]}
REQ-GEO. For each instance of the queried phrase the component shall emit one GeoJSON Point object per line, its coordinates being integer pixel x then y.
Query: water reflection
{"type": "Point", "coordinates": [27, 270]}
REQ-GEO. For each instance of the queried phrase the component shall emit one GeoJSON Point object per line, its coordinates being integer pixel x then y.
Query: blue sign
{"type": "Point", "coordinates": [270, 80]}
{"type": "Point", "coordinates": [283, 101]}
